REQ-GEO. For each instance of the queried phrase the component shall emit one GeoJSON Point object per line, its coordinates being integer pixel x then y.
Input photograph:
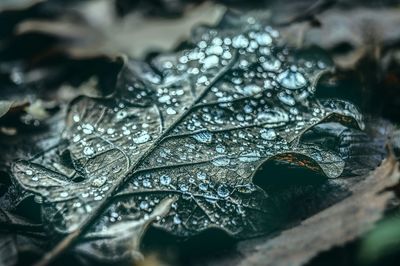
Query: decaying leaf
{"type": "Point", "coordinates": [180, 140]}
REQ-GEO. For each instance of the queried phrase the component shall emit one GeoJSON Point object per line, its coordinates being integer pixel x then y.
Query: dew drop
{"type": "Point", "coordinates": [268, 134]}
{"type": "Point", "coordinates": [88, 151]}
{"type": "Point", "coordinates": [274, 116]}
{"type": "Point", "coordinates": [240, 41]}
{"type": "Point", "coordinates": [220, 148]}
{"type": "Point", "coordinates": [142, 138]}
{"type": "Point", "coordinates": [215, 49]}
{"type": "Point", "coordinates": [177, 220]}
{"type": "Point", "coordinates": [251, 89]}
{"type": "Point", "coordinates": [183, 187]}
{"type": "Point", "coordinates": [98, 182]}
{"type": "Point", "coordinates": [291, 79]}
{"type": "Point", "coordinates": [76, 118]}
{"type": "Point", "coordinates": [165, 180]}
{"type": "Point", "coordinates": [203, 186]}
{"type": "Point", "coordinates": [210, 61]}
{"type": "Point", "coordinates": [171, 111]}
{"type": "Point", "coordinates": [272, 64]}
{"type": "Point", "coordinates": [286, 99]}
{"type": "Point", "coordinates": [146, 183]}
{"type": "Point", "coordinates": [263, 38]}
{"type": "Point", "coordinates": [222, 191]}
{"type": "Point", "coordinates": [201, 175]}
{"type": "Point", "coordinates": [164, 99]}
{"type": "Point", "coordinates": [144, 205]}
{"type": "Point", "coordinates": [203, 137]}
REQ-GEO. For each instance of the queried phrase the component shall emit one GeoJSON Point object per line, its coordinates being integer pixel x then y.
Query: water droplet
{"type": "Point", "coordinates": [183, 187]}
{"type": "Point", "coordinates": [177, 220]}
{"type": "Point", "coordinates": [165, 180]}
{"type": "Point", "coordinates": [201, 175]}
{"type": "Point", "coordinates": [98, 198]}
{"type": "Point", "coordinates": [286, 99]}
{"type": "Point", "coordinates": [88, 151]}
{"type": "Point", "coordinates": [220, 148]}
{"type": "Point", "coordinates": [29, 172]}
{"type": "Point", "coordinates": [76, 118]}
{"type": "Point", "coordinates": [268, 134]}
{"type": "Point", "coordinates": [227, 55]}
{"type": "Point", "coordinates": [142, 138]}
{"type": "Point", "coordinates": [210, 61]}
{"type": "Point", "coordinates": [171, 111]}
{"type": "Point", "coordinates": [64, 194]}
{"type": "Point", "coordinates": [203, 137]}
{"type": "Point", "coordinates": [222, 191]}
{"type": "Point", "coordinates": [144, 205]}
{"type": "Point", "coordinates": [164, 99]}
{"type": "Point", "coordinates": [271, 64]}
{"type": "Point", "coordinates": [263, 38]}
{"type": "Point", "coordinates": [98, 182]}
{"type": "Point", "coordinates": [146, 183]}
{"type": "Point", "coordinates": [273, 117]}
{"type": "Point", "coordinates": [87, 129]}
{"type": "Point", "coordinates": [214, 49]}
{"type": "Point", "coordinates": [203, 186]}
{"type": "Point", "coordinates": [251, 89]}
{"type": "Point", "coordinates": [291, 79]}
{"type": "Point", "coordinates": [240, 41]}
{"type": "Point", "coordinates": [76, 138]}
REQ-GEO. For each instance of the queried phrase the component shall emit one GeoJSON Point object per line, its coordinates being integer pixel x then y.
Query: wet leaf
{"type": "Point", "coordinates": [179, 141]}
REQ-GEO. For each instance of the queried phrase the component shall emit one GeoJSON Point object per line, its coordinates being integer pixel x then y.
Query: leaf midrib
{"type": "Point", "coordinates": [71, 238]}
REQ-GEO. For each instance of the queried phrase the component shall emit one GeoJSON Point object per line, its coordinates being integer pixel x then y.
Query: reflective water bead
{"type": "Point", "coordinates": [291, 79]}
{"type": "Point", "coordinates": [240, 41]}
{"type": "Point", "coordinates": [268, 134]}
{"type": "Point", "coordinates": [222, 191]}
{"type": "Point", "coordinates": [165, 180]}
{"type": "Point", "coordinates": [263, 38]}
{"type": "Point", "coordinates": [251, 89]}
{"type": "Point", "coordinates": [183, 187]}
{"type": "Point", "coordinates": [271, 64]}
{"type": "Point", "coordinates": [171, 111]}
{"type": "Point", "coordinates": [142, 139]}
{"type": "Point", "coordinates": [88, 151]}
{"type": "Point", "coordinates": [211, 61]}
{"type": "Point", "coordinates": [144, 205]}
{"type": "Point", "coordinates": [177, 220]}
{"type": "Point", "coordinates": [203, 137]}
{"type": "Point", "coordinates": [203, 186]}
{"type": "Point", "coordinates": [220, 148]}
{"type": "Point", "coordinates": [201, 175]}
{"type": "Point", "coordinates": [98, 182]}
